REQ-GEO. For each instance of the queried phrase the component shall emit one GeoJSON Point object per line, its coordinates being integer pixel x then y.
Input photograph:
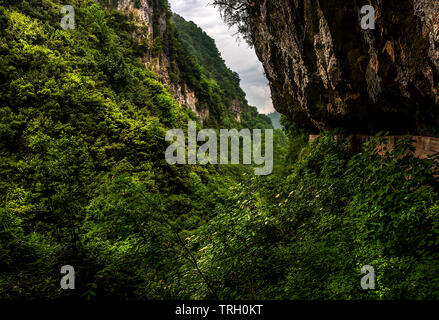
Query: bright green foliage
{"type": "Point", "coordinates": [78, 110]}
{"type": "Point", "coordinates": [307, 235]}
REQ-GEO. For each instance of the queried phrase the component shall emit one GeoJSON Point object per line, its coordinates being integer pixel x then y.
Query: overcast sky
{"type": "Point", "coordinates": [238, 56]}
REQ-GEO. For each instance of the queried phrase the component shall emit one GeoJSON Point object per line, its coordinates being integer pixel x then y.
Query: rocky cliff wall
{"type": "Point", "coordinates": [146, 13]}
{"type": "Point", "coordinates": [326, 72]}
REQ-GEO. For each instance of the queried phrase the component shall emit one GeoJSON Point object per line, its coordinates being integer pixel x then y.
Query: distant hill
{"type": "Point", "coordinates": [275, 119]}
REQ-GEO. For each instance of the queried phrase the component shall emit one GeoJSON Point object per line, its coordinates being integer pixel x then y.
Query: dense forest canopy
{"type": "Point", "coordinates": [84, 181]}
{"type": "Point", "coordinates": [204, 49]}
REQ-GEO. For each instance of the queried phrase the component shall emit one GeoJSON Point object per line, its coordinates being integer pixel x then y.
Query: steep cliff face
{"type": "Point", "coordinates": [188, 63]}
{"type": "Point", "coordinates": [151, 19]}
{"type": "Point", "coordinates": [326, 72]}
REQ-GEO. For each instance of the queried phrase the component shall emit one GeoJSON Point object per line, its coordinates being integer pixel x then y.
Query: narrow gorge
{"type": "Point", "coordinates": [93, 93]}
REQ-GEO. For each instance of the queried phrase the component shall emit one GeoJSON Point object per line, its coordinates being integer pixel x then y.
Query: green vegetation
{"type": "Point", "coordinates": [204, 49]}
{"type": "Point", "coordinates": [306, 235]}
{"type": "Point", "coordinates": [81, 119]}
{"type": "Point", "coordinates": [84, 181]}
{"type": "Point", "coordinates": [224, 82]}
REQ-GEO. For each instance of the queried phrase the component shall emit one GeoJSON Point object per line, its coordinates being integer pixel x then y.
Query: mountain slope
{"type": "Point", "coordinates": [207, 55]}
{"type": "Point", "coordinates": [83, 176]}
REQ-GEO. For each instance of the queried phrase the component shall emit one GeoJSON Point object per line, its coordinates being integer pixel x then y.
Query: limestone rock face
{"type": "Point", "coordinates": [326, 72]}
{"type": "Point", "coordinates": [145, 13]}
{"type": "Point", "coordinates": [235, 107]}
